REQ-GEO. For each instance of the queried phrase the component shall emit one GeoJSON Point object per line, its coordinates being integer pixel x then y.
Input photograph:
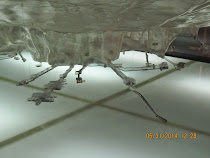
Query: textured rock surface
{"type": "Point", "coordinates": [79, 31]}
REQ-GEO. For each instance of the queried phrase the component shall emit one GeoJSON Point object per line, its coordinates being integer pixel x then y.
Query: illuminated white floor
{"type": "Point", "coordinates": [17, 115]}
{"type": "Point", "coordinates": [104, 133]}
{"type": "Point", "coordinates": [182, 97]}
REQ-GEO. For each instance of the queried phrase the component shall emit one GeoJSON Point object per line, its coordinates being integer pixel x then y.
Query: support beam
{"type": "Point", "coordinates": [35, 76]}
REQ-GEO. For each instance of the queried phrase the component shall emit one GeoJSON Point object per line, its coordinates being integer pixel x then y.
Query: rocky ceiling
{"type": "Point", "coordinates": [70, 32]}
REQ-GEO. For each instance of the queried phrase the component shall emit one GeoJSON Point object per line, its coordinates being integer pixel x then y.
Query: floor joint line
{"type": "Point", "coordinates": [78, 111]}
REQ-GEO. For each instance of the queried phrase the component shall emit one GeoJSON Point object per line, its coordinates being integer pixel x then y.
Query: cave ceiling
{"type": "Point", "coordinates": [78, 31]}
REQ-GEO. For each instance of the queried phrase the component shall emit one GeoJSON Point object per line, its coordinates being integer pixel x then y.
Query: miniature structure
{"type": "Point", "coordinates": [68, 33]}
{"type": "Point", "coordinates": [47, 96]}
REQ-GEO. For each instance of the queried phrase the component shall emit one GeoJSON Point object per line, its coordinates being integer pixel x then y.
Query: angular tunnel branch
{"type": "Point", "coordinates": [130, 82]}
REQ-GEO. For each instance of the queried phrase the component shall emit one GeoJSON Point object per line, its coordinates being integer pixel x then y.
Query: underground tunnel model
{"type": "Point", "coordinates": [72, 33]}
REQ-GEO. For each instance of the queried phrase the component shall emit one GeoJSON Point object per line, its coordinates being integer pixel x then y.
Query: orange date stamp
{"type": "Point", "coordinates": [171, 135]}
